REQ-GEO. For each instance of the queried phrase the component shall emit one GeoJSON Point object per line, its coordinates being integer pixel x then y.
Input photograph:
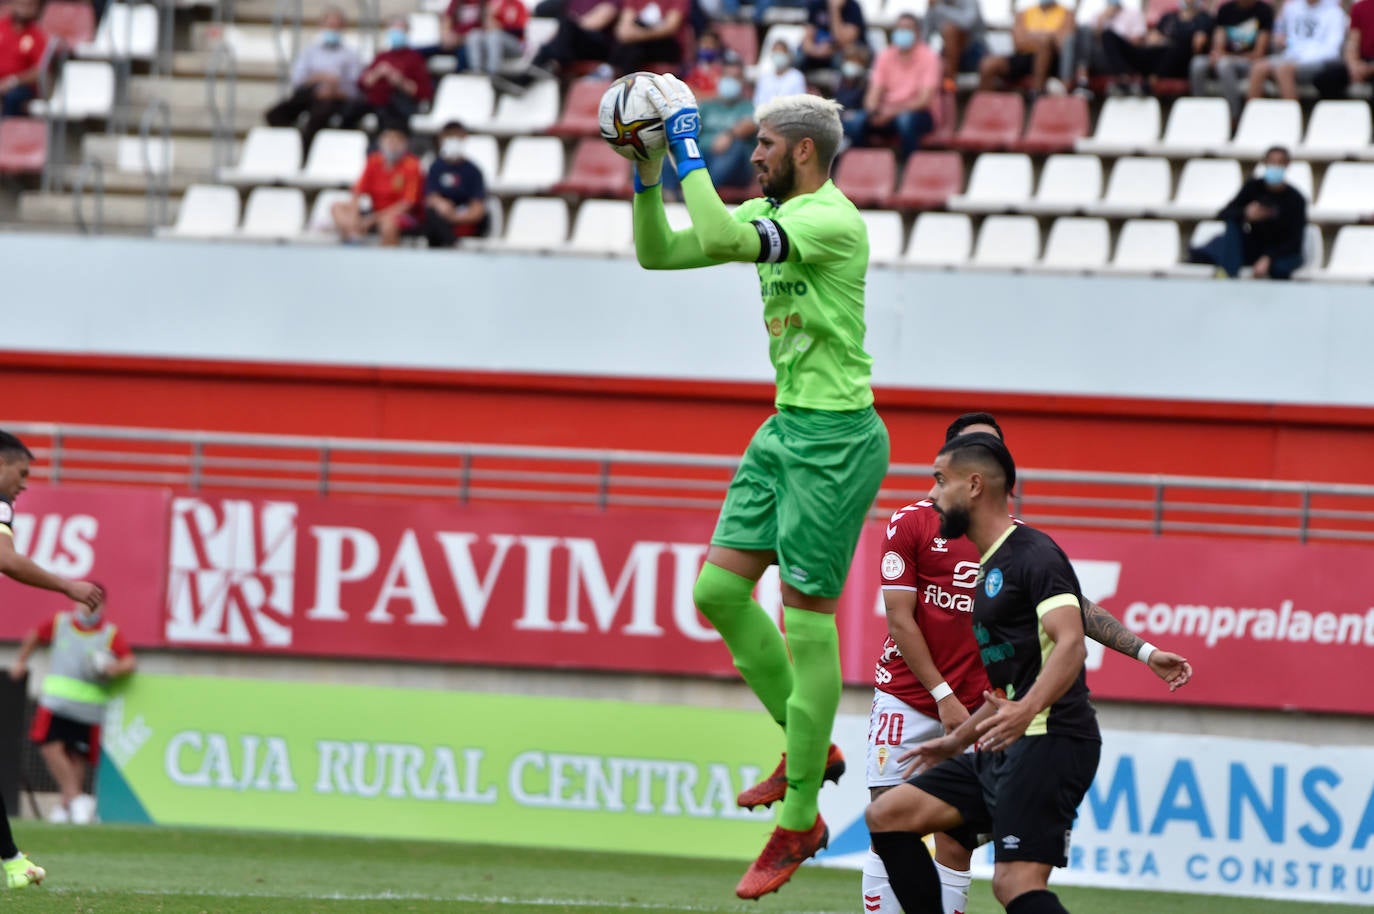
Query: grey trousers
{"type": "Point", "coordinates": [1232, 72]}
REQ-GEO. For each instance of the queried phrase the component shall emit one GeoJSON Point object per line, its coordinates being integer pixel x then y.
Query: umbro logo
{"type": "Point", "coordinates": [1011, 842]}
{"type": "Point", "coordinates": [940, 544]}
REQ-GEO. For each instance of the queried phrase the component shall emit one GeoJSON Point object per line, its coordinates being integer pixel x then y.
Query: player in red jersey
{"type": "Point", "coordinates": [929, 677]}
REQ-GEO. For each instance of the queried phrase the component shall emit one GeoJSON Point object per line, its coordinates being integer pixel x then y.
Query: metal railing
{"type": "Point", "coordinates": [221, 73]}
{"type": "Point", "coordinates": [481, 473]}
{"type": "Point", "coordinates": [90, 174]}
{"type": "Point", "coordinates": [157, 177]}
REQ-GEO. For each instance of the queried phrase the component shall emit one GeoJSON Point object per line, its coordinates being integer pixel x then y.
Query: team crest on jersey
{"type": "Point", "coordinates": [882, 758]}
{"type": "Point", "coordinates": [893, 566]}
{"type": "Point", "coordinates": [939, 544]}
{"type": "Point", "coordinates": [992, 582]}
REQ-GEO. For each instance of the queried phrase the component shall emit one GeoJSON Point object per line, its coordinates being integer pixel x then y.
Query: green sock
{"type": "Point", "coordinates": [811, 708]}
{"type": "Point", "coordinates": [727, 602]}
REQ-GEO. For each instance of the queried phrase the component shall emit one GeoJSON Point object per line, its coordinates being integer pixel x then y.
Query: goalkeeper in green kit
{"type": "Point", "coordinates": [812, 471]}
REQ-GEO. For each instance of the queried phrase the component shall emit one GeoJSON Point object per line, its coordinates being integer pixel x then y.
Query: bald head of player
{"type": "Point", "coordinates": [974, 474]}
{"type": "Point", "coordinates": [799, 137]}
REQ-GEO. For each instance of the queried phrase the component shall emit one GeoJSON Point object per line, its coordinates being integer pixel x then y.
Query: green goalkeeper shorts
{"type": "Point", "coordinates": [803, 490]}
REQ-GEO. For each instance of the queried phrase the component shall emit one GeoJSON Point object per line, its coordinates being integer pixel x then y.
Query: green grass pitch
{"type": "Point", "coordinates": [115, 869]}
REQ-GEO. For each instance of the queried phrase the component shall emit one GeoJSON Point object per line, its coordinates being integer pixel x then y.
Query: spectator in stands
{"type": "Point", "coordinates": [776, 75]}
{"type": "Point", "coordinates": [500, 37]}
{"type": "Point", "coordinates": [727, 130]}
{"type": "Point", "coordinates": [959, 23]}
{"type": "Point", "coordinates": [1241, 38]}
{"type": "Point", "coordinates": [324, 82]}
{"type": "Point", "coordinates": [705, 71]}
{"type": "Point", "coordinates": [585, 32]}
{"type": "Point", "coordinates": [1308, 38]}
{"type": "Point", "coordinates": [22, 45]}
{"type": "Point", "coordinates": [1265, 226]}
{"type": "Point", "coordinates": [461, 18]}
{"type": "Point", "coordinates": [650, 32]}
{"type": "Point", "coordinates": [853, 85]}
{"type": "Point", "coordinates": [1131, 51]}
{"type": "Point", "coordinates": [387, 193]}
{"type": "Point", "coordinates": [832, 27]}
{"type": "Point", "coordinates": [455, 193]}
{"type": "Point", "coordinates": [397, 80]}
{"type": "Point", "coordinates": [1042, 38]}
{"type": "Point", "coordinates": [1175, 40]}
{"type": "Point", "coordinates": [731, 8]}
{"type": "Point", "coordinates": [1116, 34]}
{"type": "Point", "coordinates": [902, 90]}
{"type": "Point", "coordinates": [1358, 57]}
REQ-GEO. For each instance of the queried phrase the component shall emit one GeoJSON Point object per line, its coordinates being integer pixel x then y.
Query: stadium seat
{"type": "Point", "coordinates": [998, 14]}
{"type": "Point", "coordinates": [1266, 122]}
{"type": "Point", "coordinates": [603, 227]}
{"type": "Point", "coordinates": [1155, 10]}
{"type": "Point", "coordinates": [135, 155]}
{"type": "Point", "coordinates": [992, 120]}
{"type": "Point", "coordinates": [787, 32]}
{"type": "Point", "coordinates": [532, 164]}
{"type": "Point", "coordinates": [1197, 126]}
{"type": "Point", "coordinates": [23, 145]}
{"type": "Point", "coordinates": [261, 47]}
{"type": "Point", "coordinates": [1068, 184]}
{"type": "Point", "coordinates": [1204, 187]}
{"type": "Point", "coordinates": [1346, 193]}
{"type": "Point", "coordinates": [336, 159]}
{"type": "Point", "coordinates": [1077, 244]}
{"type": "Point", "coordinates": [740, 37]}
{"type": "Point", "coordinates": [536, 223]}
{"type": "Point", "coordinates": [580, 109]}
{"type": "Point", "coordinates": [1336, 130]}
{"type": "Point", "coordinates": [70, 21]}
{"type": "Point", "coordinates": [943, 135]}
{"type": "Point", "coordinates": [319, 227]}
{"type": "Point", "coordinates": [538, 31]}
{"type": "Point", "coordinates": [85, 89]}
{"type": "Point", "coordinates": [678, 217]}
{"type": "Point", "coordinates": [1000, 181]}
{"type": "Point", "coordinates": [884, 236]}
{"type": "Point", "coordinates": [269, 154]}
{"type": "Point", "coordinates": [1352, 255]}
{"type": "Point", "coordinates": [1138, 185]}
{"type": "Point", "coordinates": [940, 240]}
{"type": "Point", "coordinates": [1125, 126]}
{"type": "Point", "coordinates": [867, 177]}
{"type": "Point", "coordinates": [1056, 123]}
{"type": "Point", "coordinates": [1313, 252]}
{"type": "Point", "coordinates": [206, 211]}
{"type": "Point", "coordinates": [125, 31]}
{"type": "Point", "coordinates": [597, 170]}
{"type": "Point", "coordinates": [424, 31]}
{"type": "Point", "coordinates": [929, 180]}
{"type": "Point", "coordinates": [460, 97]}
{"type": "Point", "coordinates": [1146, 246]}
{"type": "Point", "coordinates": [273, 213]}
{"type": "Point", "coordinates": [1007, 242]}
{"type": "Point", "coordinates": [483, 151]}
{"type": "Point", "coordinates": [533, 112]}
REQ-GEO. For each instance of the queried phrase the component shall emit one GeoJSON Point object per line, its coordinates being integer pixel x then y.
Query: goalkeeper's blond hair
{"type": "Point", "coordinates": [799, 116]}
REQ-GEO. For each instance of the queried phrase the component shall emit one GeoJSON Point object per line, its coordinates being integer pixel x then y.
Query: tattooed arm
{"type": "Point", "coordinates": [1107, 630]}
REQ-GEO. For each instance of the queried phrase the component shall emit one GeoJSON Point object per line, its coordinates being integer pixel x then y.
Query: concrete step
{"type": "Point", "coordinates": [197, 62]}
{"type": "Point", "coordinates": [261, 11]}
{"type": "Point", "coordinates": [189, 92]}
{"type": "Point", "coordinates": [121, 211]}
{"type": "Point", "coordinates": [192, 155]}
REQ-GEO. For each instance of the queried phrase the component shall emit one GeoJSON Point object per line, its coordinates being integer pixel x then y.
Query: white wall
{"type": "Point", "coordinates": [1190, 339]}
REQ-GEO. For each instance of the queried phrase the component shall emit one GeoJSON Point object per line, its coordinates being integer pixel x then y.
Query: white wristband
{"type": "Point", "coordinates": [1143, 655]}
{"type": "Point", "coordinates": [941, 691]}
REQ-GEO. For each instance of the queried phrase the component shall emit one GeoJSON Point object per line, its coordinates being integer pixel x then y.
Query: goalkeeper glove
{"type": "Point", "coordinates": [677, 106]}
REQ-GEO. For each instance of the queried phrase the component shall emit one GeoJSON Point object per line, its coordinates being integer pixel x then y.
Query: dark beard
{"type": "Point", "coordinates": [782, 182]}
{"type": "Point", "coordinates": [953, 523]}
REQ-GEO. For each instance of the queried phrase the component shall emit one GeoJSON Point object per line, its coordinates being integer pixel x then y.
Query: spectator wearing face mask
{"type": "Point", "coordinates": [1308, 38]}
{"type": "Point", "coordinates": [959, 23]}
{"type": "Point", "coordinates": [386, 195]}
{"type": "Point", "coordinates": [776, 76]}
{"type": "Point", "coordinates": [727, 130]}
{"type": "Point", "coordinates": [455, 193]}
{"type": "Point", "coordinates": [324, 81]}
{"type": "Point", "coordinates": [1265, 226]}
{"type": "Point", "coordinates": [397, 81]}
{"type": "Point", "coordinates": [22, 46]}
{"type": "Point", "coordinates": [832, 27]}
{"type": "Point", "coordinates": [705, 71]}
{"type": "Point", "coordinates": [902, 90]}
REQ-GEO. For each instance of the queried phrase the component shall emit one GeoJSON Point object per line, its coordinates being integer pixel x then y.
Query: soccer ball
{"type": "Point", "coordinates": [629, 121]}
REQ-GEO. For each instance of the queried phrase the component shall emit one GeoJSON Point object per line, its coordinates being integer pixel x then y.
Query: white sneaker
{"type": "Point", "coordinates": [83, 809]}
{"type": "Point", "coordinates": [1055, 86]}
{"type": "Point", "coordinates": [58, 815]}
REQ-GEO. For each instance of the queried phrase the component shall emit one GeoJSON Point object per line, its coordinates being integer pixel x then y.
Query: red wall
{"type": "Point", "coordinates": [1314, 443]}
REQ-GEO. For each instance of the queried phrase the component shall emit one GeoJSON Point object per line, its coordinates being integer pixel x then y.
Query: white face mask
{"type": "Point", "coordinates": [451, 148]}
{"type": "Point", "coordinates": [781, 60]}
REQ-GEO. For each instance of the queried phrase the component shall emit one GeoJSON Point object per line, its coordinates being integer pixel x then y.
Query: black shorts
{"type": "Point", "coordinates": [1019, 66]}
{"type": "Point", "coordinates": [1026, 797]}
{"type": "Point", "coordinates": [79, 738]}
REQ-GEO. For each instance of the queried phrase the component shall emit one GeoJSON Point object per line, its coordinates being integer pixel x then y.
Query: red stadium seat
{"type": "Point", "coordinates": [867, 177]}
{"type": "Point", "coordinates": [23, 145]}
{"type": "Point", "coordinates": [71, 22]}
{"type": "Point", "coordinates": [929, 180]}
{"type": "Point", "coordinates": [740, 37]}
{"type": "Point", "coordinates": [992, 121]}
{"type": "Point", "coordinates": [1170, 87]}
{"type": "Point", "coordinates": [1155, 10]}
{"type": "Point", "coordinates": [1056, 122]}
{"type": "Point", "coordinates": [579, 109]}
{"type": "Point", "coordinates": [597, 170]}
{"type": "Point", "coordinates": [942, 137]}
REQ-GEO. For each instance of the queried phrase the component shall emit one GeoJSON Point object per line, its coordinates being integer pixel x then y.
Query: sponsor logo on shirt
{"type": "Point", "coordinates": [893, 566]}
{"type": "Point", "coordinates": [939, 544]}
{"type": "Point", "coordinates": [992, 583]}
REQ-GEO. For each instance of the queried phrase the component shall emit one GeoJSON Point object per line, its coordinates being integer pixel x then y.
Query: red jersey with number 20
{"type": "Point", "coordinates": [943, 574]}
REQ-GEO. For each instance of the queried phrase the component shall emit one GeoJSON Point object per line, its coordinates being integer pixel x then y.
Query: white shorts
{"type": "Point", "coordinates": [894, 727]}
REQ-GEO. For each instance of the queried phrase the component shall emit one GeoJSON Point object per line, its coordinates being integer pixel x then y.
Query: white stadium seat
{"type": "Point", "coordinates": [1146, 246]}
{"type": "Point", "coordinates": [1138, 185]}
{"type": "Point", "coordinates": [787, 32]}
{"type": "Point", "coordinates": [1007, 242]}
{"type": "Point", "coordinates": [1352, 255]}
{"type": "Point", "coordinates": [1197, 126]}
{"type": "Point", "coordinates": [1336, 129]}
{"type": "Point", "coordinates": [85, 89]}
{"type": "Point", "coordinates": [482, 151]}
{"type": "Point", "coordinates": [536, 223]}
{"type": "Point", "coordinates": [998, 14]}
{"type": "Point", "coordinates": [336, 159]}
{"type": "Point", "coordinates": [1068, 184]}
{"type": "Point", "coordinates": [206, 211]}
{"type": "Point", "coordinates": [1346, 194]}
{"type": "Point", "coordinates": [273, 213]}
{"type": "Point", "coordinates": [1313, 252]}
{"type": "Point", "coordinates": [533, 112]}
{"type": "Point", "coordinates": [269, 154]}
{"type": "Point", "coordinates": [884, 236]}
{"type": "Point", "coordinates": [1077, 244]}
{"type": "Point", "coordinates": [1000, 181]}
{"type": "Point", "coordinates": [538, 31]}
{"type": "Point", "coordinates": [460, 97]}
{"type": "Point", "coordinates": [532, 164]}
{"type": "Point", "coordinates": [1266, 122]}
{"type": "Point", "coordinates": [320, 226]}
{"type": "Point", "coordinates": [259, 46]}
{"type": "Point", "coordinates": [678, 217]}
{"type": "Point", "coordinates": [940, 240]}
{"type": "Point", "coordinates": [603, 227]}
{"type": "Point", "coordinates": [125, 31]}
{"type": "Point", "coordinates": [423, 31]}
{"type": "Point", "coordinates": [1299, 175]}
{"type": "Point", "coordinates": [1125, 125]}
{"type": "Point", "coordinates": [1204, 187]}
